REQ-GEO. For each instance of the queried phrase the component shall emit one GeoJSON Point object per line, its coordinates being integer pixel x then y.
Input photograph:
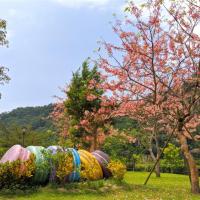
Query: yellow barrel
{"type": "Point", "coordinates": [90, 167]}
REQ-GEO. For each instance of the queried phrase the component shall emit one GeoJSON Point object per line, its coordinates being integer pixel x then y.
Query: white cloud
{"type": "Point", "coordinates": [80, 3]}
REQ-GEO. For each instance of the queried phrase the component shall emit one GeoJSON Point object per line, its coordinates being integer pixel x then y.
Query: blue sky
{"type": "Point", "coordinates": [48, 39]}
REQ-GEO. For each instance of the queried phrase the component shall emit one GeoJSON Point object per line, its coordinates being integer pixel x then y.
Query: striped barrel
{"type": "Point", "coordinates": [90, 167]}
{"type": "Point", "coordinates": [75, 175]}
{"type": "Point", "coordinates": [103, 160]}
{"type": "Point", "coordinates": [16, 152]}
{"type": "Point", "coordinates": [42, 170]}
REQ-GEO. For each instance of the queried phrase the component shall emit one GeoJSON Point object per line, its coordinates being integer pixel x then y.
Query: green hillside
{"type": "Point", "coordinates": [35, 117]}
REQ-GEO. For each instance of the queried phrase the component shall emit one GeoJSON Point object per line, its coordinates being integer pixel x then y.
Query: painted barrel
{"type": "Point", "coordinates": [90, 167]}
{"type": "Point", "coordinates": [16, 152]}
{"type": "Point", "coordinates": [75, 175]}
{"type": "Point", "coordinates": [103, 160]}
{"type": "Point", "coordinates": [42, 168]}
{"type": "Point", "coordinates": [55, 149]}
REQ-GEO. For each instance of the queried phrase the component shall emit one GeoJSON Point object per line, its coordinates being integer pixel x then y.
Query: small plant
{"type": "Point", "coordinates": [13, 175]}
{"type": "Point", "coordinates": [65, 165]}
{"type": "Point", "coordinates": [61, 165]}
{"type": "Point", "coordinates": [88, 172]}
{"type": "Point", "coordinates": [172, 158]}
{"type": "Point", "coordinates": [118, 169]}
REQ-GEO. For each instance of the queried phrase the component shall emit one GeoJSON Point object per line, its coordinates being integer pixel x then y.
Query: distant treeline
{"type": "Point", "coordinates": [37, 118]}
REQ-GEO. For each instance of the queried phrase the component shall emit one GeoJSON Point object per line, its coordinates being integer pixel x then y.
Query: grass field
{"type": "Point", "coordinates": [168, 187]}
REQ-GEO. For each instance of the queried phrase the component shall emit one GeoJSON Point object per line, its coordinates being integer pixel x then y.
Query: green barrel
{"type": "Point", "coordinates": [42, 166]}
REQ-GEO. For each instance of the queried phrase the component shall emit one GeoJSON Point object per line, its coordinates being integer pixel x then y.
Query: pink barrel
{"type": "Point", "coordinates": [16, 152]}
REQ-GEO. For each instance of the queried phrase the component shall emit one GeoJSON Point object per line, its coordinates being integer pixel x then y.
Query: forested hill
{"type": "Point", "coordinates": [35, 117]}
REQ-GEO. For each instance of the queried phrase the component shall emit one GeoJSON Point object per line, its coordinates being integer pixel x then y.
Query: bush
{"type": "Point", "coordinates": [65, 165]}
{"type": "Point", "coordinates": [61, 166]}
{"type": "Point", "coordinates": [118, 169]}
{"type": "Point", "coordinates": [172, 159]}
{"type": "Point", "coordinates": [2, 151]}
{"type": "Point", "coordinates": [176, 170]}
{"type": "Point", "coordinates": [90, 169]}
{"type": "Point", "coordinates": [118, 147]}
{"type": "Point", "coordinates": [17, 174]}
{"type": "Point", "coordinates": [144, 167]}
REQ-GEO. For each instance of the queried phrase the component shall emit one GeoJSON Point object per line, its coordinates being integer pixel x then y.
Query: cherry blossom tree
{"type": "Point", "coordinates": [84, 113]}
{"type": "Point", "coordinates": [96, 122]}
{"type": "Point", "coordinates": [154, 71]}
{"type": "Point", "coordinates": [60, 119]}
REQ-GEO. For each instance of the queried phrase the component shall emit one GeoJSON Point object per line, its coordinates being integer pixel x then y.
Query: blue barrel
{"type": "Point", "coordinates": [75, 175]}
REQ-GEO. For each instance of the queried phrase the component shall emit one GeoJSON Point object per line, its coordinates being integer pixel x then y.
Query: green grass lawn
{"type": "Point", "coordinates": [169, 186]}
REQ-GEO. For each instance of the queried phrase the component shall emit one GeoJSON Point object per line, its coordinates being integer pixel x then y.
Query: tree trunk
{"type": "Point", "coordinates": [187, 168]}
{"type": "Point", "coordinates": [194, 174]}
{"type": "Point", "coordinates": [95, 142]}
{"type": "Point", "coordinates": [157, 168]}
{"type": "Point", "coordinates": [157, 156]}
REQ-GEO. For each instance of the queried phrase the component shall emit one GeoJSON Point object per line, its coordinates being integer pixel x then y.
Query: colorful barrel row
{"type": "Point", "coordinates": [87, 166]}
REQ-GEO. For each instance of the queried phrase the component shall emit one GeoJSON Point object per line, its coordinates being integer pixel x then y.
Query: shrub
{"type": "Point", "coordinates": [2, 151]}
{"type": "Point", "coordinates": [119, 147]}
{"type": "Point", "coordinates": [61, 166]}
{"type": "Point", "coordinates": [65, 165]}
{"type": "Point", "coordinates": [118, 169]}
{"type": "Point", "coordinates": [172, 159]}
{"type": "Point", "coordinates": [14, 175]}
{"type": "Point", "coordinates": [90, 170]}
{"type": "Point", "coordinates": [144, 167]}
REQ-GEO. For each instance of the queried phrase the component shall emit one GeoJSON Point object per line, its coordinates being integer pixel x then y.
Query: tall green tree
{"type": "Point", "coordinates": [4, 78]}
{"type": "Point", "coordinates": [79, 100]}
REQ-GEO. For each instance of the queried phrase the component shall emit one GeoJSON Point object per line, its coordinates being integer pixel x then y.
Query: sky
{"type": "Point", "coordinates": [48, 40]}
